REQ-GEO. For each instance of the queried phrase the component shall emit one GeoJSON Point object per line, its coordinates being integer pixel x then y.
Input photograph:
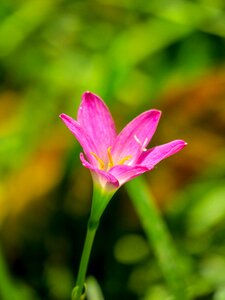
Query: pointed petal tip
{"type": "Point", "coordinates": [154, 113]}
{"type": "Point", "coordinates": [65, 118]}
{"type": "Point", "coordinates": [157, 111]}
{"type": "Point", "coordinates": [62, 116]}
{"type": "Point", "coordinates": [89, 98]}
{"type": "Point", "coordinates": [181, 142]}
{"type": "Point", "coordinates": [178, 144]}
{"type": "Point", "coordinates": [88, 95]}
{"type": "Point", "coordinates": [158, 114]}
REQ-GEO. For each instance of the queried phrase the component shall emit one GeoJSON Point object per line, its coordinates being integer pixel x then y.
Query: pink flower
{"type": "Point", "coordinates": [115, 159]}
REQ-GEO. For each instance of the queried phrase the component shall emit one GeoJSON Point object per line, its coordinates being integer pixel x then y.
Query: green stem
{"type": "Point", "coordinates": [99, 202]}
{"type": "Point", "coordinates": [78, 290]}
{"type": "Point", "coordinates": [159, 237]}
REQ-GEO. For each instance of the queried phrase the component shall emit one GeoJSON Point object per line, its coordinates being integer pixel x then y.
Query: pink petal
{"type": "Point", "coordinates": [136, 136]}
{"type": "Point", "coordinates": [105, 179]}
{"type": "Point", "coordinates": [95, 118]}
{"type": "Point", "coordinates": [125, 173]}
{"type": "Point", "coordinates": [154, 155]}
{"type": "Point", "coordinates": [84, 140]}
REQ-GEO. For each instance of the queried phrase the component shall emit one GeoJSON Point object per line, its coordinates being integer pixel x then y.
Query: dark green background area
{"type": "Point", "coordinates": [136, 55]}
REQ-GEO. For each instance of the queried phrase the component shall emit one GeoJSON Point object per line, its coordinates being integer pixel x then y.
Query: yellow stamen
{"type": "Point", "coordinates": [99, 160]}
{"type": "Point", "coordinates": [110, 163]}
{"type": "Point", "coordinates": [110, 160]}
{"type": "Point", "coordinates": [122, 161]}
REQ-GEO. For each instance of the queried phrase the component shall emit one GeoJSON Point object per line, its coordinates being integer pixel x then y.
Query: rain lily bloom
{"type": "Point", "coordinates": [115, 159]}
{"type": "Point", "coordinates": [112, 159]}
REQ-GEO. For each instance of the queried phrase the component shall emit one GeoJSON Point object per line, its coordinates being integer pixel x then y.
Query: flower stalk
{"type": "Point", "coordinates": [80, 286]}
{"type": "Point", "coordinates": [99, 203]}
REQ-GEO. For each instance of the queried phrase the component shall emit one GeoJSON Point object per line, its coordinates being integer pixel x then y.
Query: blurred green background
{"type": "Point", "coordinates": [136, 55]}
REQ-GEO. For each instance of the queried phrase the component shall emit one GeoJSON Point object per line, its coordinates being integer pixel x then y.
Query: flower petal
{"type": "Point", "coordinates": [105, 179]}
{"type": "Point", "coordinates": [136, 136]}
{"type": "Point", "coordinates": [95, 118]}
{"type": "Point", "coordinates": [84, 140]}
{"type": "Point", "coordinates": [125, 173]}
{"type": "Point", "coordinates": [154, 155]}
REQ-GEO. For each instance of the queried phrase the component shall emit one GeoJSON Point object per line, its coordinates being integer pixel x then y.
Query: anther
{"type": "Point", "coordinates": [110, 163]}
{"type": "Point", "coordinates": [99, 160]}
{"type": "Point", "coordinates": [122, 161]}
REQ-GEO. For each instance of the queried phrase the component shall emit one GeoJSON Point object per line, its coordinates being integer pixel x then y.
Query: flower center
{"type": "Point", "coordinates": [110, 163]}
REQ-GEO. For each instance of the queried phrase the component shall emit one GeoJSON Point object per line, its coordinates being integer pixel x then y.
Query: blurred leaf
{"type": "Point", "coordinates": [144, 275]}
{"type": "Point", "coordinates": [212, 268]}
{"type": "Point", "coordinates": [159, 237]}
{"type": "Point", "coordinates": [131, 249]}
{"type": "Point", "coordinates": [157, 293]}
{"type": "Point", "coordinates": [137, 43]}
{"type": "Point", "coordinates": [93, 289]}
{"type": "Point", "coordinates": [20, 24]}
{"type": "Point", "coordinates": [60, 281]}
{"type": "Point", "coordinates": [199, 286]}
{"type": "Point", "coordinates": [208, 211]}
{"type": "Point", "coordinates": [220, 294]}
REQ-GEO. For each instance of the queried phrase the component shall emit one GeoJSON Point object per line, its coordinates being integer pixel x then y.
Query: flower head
{"type": "Point", "coordinates": [115, 159]}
